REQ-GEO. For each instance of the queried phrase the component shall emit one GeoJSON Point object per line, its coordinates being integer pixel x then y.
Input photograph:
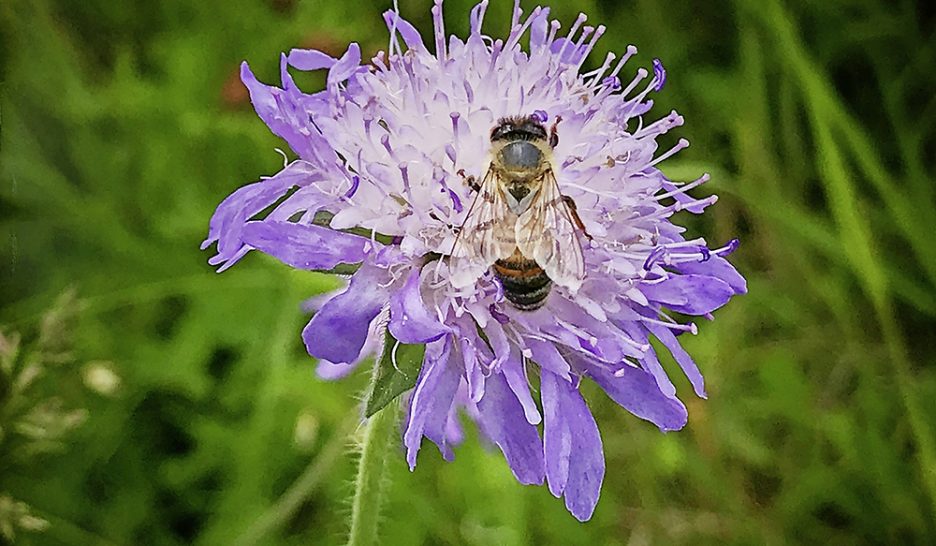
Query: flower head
{"type": "Point", "coordinates": [390, 157]}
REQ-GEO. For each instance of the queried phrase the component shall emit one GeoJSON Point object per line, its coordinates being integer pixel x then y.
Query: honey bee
{"type": "Point", "coordinates": [519, 224]}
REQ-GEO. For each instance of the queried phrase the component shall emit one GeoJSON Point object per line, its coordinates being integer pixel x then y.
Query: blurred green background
{"type": "Point", "coordinates": [152, 401]}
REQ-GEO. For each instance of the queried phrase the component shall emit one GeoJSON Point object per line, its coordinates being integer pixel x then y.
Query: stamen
{"type": "Point", "coordinates": [554, 26]}
{"type": "Point", "coordinates": [590, 190]}
{"type": "Point", "coordinates": [477, 17]}
{"type": "Point", "coordinates": [517, 32]}
{"type": "Point", "coordinates": [586, 32]}
{"type": "Point", "coordinates": [577, 331]}
{"type": "Point", "coordinates": [728, 249]}
{"type": "Point", "coordinates": [691, 327]}
{"type": "Point", "coordinates": [439, 26]}
{"type": "Point", "coordinates": [641, 74]}
{"type": "Point", "coordinates": [628, 53]}
{"type": "Point", "coordinates": [594, 76]}
{"type": "Point", "coordinates": [634, 102]}
{"type": "Point", "coordinates": [575, 26]}
{"type": "Point", "coordinates": [661, 126]}
{"type": "Point", "coordinates": [591, 45]}
{"type": "Point", "coordinates": [683, 244]}
{"type": "Point", "coordinates": [515, 15]}
{"type": "Point", "coordinates": [683, 143]}
{"type": "Point", "coordinates": [683, 189]}
{"type": "Point", "coordinates": [664, 212]}
{"type": "Point", "coordinates": [393, 31]}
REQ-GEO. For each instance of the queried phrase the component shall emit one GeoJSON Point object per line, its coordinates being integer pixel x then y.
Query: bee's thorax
{"type": "Point", "coordinates": [520, 155]}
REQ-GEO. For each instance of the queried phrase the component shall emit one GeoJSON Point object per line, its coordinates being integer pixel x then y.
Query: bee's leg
{"type": "Point", "coordinates": [470, 180]}
{"type": "Point", "coordinates": [554, 133]}
{"type": "Point", "coordinates": [573, 212]}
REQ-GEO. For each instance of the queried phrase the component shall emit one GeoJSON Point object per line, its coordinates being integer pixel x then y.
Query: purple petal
{"type": "Point", "coordinates": [572, 53]}
{"type": "Point", "coordinates": [471, 349]}
{"type": "Point", "coordinates": [346, 65]}
{"type": "Point", "coordinates": [477, 17]}
{"type": "Point", "coordinates": [227, 223]}
{"type": "Point", "coordinates": [338, 331]}
{"type": "Point", "coordinates": [636, 391]}
{"type": "Point", "coordinates": [610, 343]}
{"type": "Point", "coordinates": [432, 400]}
{"type": "Point", "coordinates": [310, 59]}
{"type": "Point", "coordinates": [650, 360]}
{"type": "Point", "coordinates": [501, 417]}
{"type": "Point", "coordinates": [409, 33]}
{"type": "Point", "coordinates": [278, 111]}
{"type": "Point", "coordinates": [717, 267]}
{"type": "Point", "coordinates": [573, 446]}
{"type": "Point", "coordinates": [512, 368]}
{"type": "Point", "coordinates": [689, 294]}
{"type": "Point", "coordinates": [410, 320]}
{"type": "Point", "coordinates": [305, 246]}
{"type": "Point", "coordinates": [557, 437]}
{"type": "Point", "coordinates": [501, 345]}
{"type": "Point", "coordinates": [667, 338]}
{"type": "Point", "coordinates": [547, 356]}
{"type": "Point", "coordinates": [329, 371]}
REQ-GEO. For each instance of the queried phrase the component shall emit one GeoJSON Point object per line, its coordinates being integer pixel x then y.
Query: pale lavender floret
{"type": "Point", "coordinates": [382, 148]}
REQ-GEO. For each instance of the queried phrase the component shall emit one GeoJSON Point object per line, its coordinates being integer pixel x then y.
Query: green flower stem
{"type": "Point", "coordinates": [381, 430]}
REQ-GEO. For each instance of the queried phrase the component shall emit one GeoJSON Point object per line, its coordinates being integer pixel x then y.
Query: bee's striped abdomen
{"type": "Point", "coordinates": [525, 283]}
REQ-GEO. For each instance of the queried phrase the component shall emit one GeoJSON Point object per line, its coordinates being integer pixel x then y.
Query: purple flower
{"type": "Point", "coordinates": [386, 153]}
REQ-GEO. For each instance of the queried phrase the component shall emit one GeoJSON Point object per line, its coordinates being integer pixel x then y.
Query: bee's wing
{"type": "Point", "coordinates": [546, 233]}
{"type": "Point", "coordinates": [486, 235]}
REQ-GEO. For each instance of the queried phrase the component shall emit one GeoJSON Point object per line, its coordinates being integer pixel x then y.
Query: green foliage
{"type": "Point", "coordinates": [123, 126]}
{"type": "Point", "coordinates": [397, 371]}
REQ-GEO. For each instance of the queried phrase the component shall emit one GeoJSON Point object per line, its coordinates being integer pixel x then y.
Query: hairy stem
{"type": "Point", "coordinates": [369, 485]}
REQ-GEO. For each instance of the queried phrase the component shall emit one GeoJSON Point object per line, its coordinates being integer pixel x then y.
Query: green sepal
{"type": "Point", "coordinates": [389, 381]}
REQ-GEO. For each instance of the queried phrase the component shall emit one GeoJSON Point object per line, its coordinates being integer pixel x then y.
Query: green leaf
{"type": "Point", "coordinates": [392, 380]}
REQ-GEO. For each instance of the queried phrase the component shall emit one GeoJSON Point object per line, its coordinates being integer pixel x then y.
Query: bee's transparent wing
{"type": "Point", "coordinates": [546, 233]}
{"type": "Point", "coordinates": [486, 235]}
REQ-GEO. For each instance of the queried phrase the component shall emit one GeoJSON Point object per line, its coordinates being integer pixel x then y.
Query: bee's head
{"type": "Point", "coordinates": [518, 128]}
